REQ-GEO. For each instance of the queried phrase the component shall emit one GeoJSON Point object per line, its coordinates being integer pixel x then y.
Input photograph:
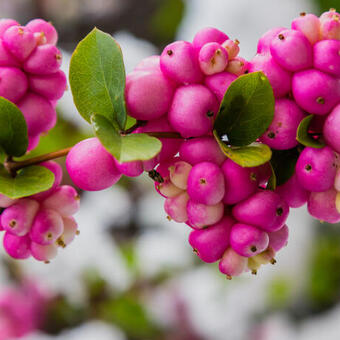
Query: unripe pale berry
{"type": "Point", "coordinates": [44, 253]}
{"type": "Point", "coordinates": [309, 25]}
{"type": "Point", "coordinates": [45, 59]}
{"type": "Point", "coordinates": [331, 129]}
{"type": "Point", "coordinates": [65, 200]}
{"type": "Point", "coordinates": [292, 50]}
{"type": "Point", "coordinates": [70, 231]}
{"type": "Point", "coordinates": [281, 133]}
{"type": "Point", "coordinates": [18, 218]}
{"type": "Point", "coordinates": [16, 246]}
{"type": "Point", "coordinates": [193, 118]}
{"type": "Point", "coordinates": [279, 239]}
{"type": "Point", "coordinates": [337, 181]}
{"type": "Point", "coordinates": [148, 94]}
{"type": "Point", "coordinates": [179, 62]}
{"type": "Point", "coordinates": [322, 205]}
{"type": "Point", "coordinates": [149, 63]}
{"type": "Point", "coordinates": [13, 83]}
{"type": "Point", "coordinates": [267, 256]}
{"type": "Point", "coordinates": [279, 78]}
{"type": "Point", "coordinates": [212, 58]}
{"type": "Point", "coordinates": [47, 227]}
{"type": "Point", "coordinates": [263, 46]}
{"type": "Point", "coordinates": [265, 209]}
{"type": "Point", "coordinates": [201, 216]}
{"type": "Point", "coordinates": [6, 202]}
{"type": "Point", "coordinates": [315, 91]}
{"type": "Point", "coordinates": [91, 167]}
{"type": "Point", "coordinates": [219, 83]}
{"type": "Point", "coordinates": [176, 207]}
{"type": "Point", "coordinates": [210, 243]}
{"type": "Point", "coordinates": [238, 66]}
{"type": "Point", "coordinates": [167, 188]}
{"type": "Point", "coordinates": [42, 26]}
{"type": "Point", "coordinates": [330, 26]}
{"type": "Point", "coordinates": [232, 47]}
{"type": "Point", "coordinates": [232, 264]}
{"type": "Point", "coordinates": [316, 169]}
{"type": "Point", "coordinates": [6, 59]}
{"type": "Point", "coordinates": [5, 24]}
{"type": "Point", "coordinates": [50, 86]}
{"type": "Point", "coordinates": [248, 240]}
{"type": "Point", "coordinates": [179, 173]}
{"type": "Point", "coordinates": [327, 56]}
{"type": "Point", "coordinates": [206, 183]}
{"type": "Point", "coordinates": [19, 41]}
{"type": "Point", "coordinates": [207, 35]}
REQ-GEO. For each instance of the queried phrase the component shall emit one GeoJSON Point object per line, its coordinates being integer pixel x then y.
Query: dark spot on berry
{"type": "Point", "coordinates": [203, 181]}
{"type": "Point", "coordinates": [308, 167]}
{"type": "Point", "coordinates": [253, 249]}
{"type": "Point", "coordinates": [210, 113]}
{"type": "Point", "coordinates": [281, 37]}
{"type": "Point", "coordinates": [13, 223]}
{"type": "Point", "coordinates": [302, 14]}
{"type": "Point", "coordinates": [320, 100]}
{"type": "Point", "coordinates": [49, 236]}
{"type": "Point", "coordinates": [279, 211]}
{"type": "Point", "coordinates": [246, 71]}
{"type": "Point", "coordinates": [218, 52]}
{"type": "Point", "coordinates": [169, 52]}
{"type": "Point", "coordinates": [271, 134]}
{"type": "Point", "coordinates": [205, 227]}
{"type": "Point", "coordinates": [253, 176]}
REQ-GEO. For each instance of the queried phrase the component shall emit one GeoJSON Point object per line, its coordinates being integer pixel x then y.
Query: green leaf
{"type": "Point", "coordinates": [29, 181]}
{"type": "Point", "coordinates": [283, 163]}
{"type": "Point", "coordinates": [304, 137]}
{"type": "Point", "coordinates": [2, 155]}
{"type": "Point", "coordinates": [13, 129]}
{"type": "Point", "coordinates": [272, 182]}
{"type": "Point", "coordinates": [247, 109]}
{"type": "Point", "coordinates": [126, 148]}
{"type": "Point", "coordinates": [97, 78]}
{"type": "Point", "coordinates": [248, 156]}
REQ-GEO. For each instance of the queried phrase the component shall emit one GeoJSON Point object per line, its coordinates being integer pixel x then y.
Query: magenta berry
{"type": "Point", "coordinates": [330, 25]}
{"type": "Point", "coordinates": [148, 94]}
{"type": "Point", "coordinates": [210, 243]}
{"type": "Point", "coordinates": [316, 169]}
{"type": "Point", "coordinates": [309, 26]}
{"type": "Point", "coordinates": [263, 45]}
{"type": "Point", "coordinates": [17, 247]}
{"type": "Point", "coordinates": [44, 253]}
{"type": "Point", "coordinates": [232, 47]}
{"type": "Point", "coordinates": [279, 239]}
{"type": "Point", "coordinates": [327, 56]}
{"type": "Point", "coordinates": [149, 63]}
{"type": "Point", "coordinates": [5, 24]}
{"type": "Point", "coordinates": [6, 58]}
{"type": "Point", "coordinates": [331, 129]}
{"type": "Point", "coordinates": [91, 167]}
{"type": "Point", "coordinates": [179, 63]}
{"type": "Point", "coordinates": [13, 83]}
{"type": "Point", "coordinates": [219, 83]}
{"type": "Point", "coordinates": [265, 209]}
{"type": "Point", "coordinates": [206, 183]}
{"type": "Point", "coordinates": [43, 27]}
{"type": "Point", "coordinates": [193, 118]}
{"type": "Point", "coordinates": [176, 207]}
{"type": "Point", "coordinates": [232, 264]}
{"type": "Point", "coordinates": [248, 240]}
{"type": "Point", "coordinates": [207, 35]}
{"type": "Point", "coordinates": [179, 173]}
{"type": "Point", "coordinates": [213, 58]}
{"type": "Point", "coordinates": [130, 169]}
{"type": "Point", "coordinates": [238, 66]}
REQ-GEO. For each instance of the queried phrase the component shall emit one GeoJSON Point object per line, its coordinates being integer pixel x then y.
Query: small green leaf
{"type": "Point", "coordinates": [97, 78]}
{"type": "Point", "coordinates": [248, 156]}
{"type": "Point", "coordinates": [304, 137]}
{"type": "Point", "coordinates": [272, 182]}
{"type": "Point", "coordinates": [13, 129]}
{"type": "Point", "coordinates": [283, 163]}
{"type": "Point", "coordinates": [2, 155]}
{"type": "Point", "coordinates": [29, 181]}
{"type": "Point", "coordinates": [126, 148]}
{"type": "Point", "coordinates": [247, 109]}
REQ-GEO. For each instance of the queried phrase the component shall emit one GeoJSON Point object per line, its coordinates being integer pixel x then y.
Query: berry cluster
{"type": "Point", "coordinates": [30, 73]}
{"type": "Point", "coordinates": [303, 67]}
{"type": "Point", "coordinates": [39, 224]}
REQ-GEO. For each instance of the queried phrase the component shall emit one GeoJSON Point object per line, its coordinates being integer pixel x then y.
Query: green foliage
{"type": "Point", "coordinates": [126, 148]}
{"type": "Point", "coordinates": [279, 292]}
{"type": "Point", "coordinates": [325, 5]}
{"type": "Point", "coordinates": [247, 109]}
{"type": "Point", "coordinates": [13, 129]}
{"type": "Point", "coordinates": [28, 181]}
{"type": "Point", "coordinates": [272, 182]}
{"type": "Point", "coordinates": [304, 137]}
{"type": "Point", "coordinates": [97, 78]}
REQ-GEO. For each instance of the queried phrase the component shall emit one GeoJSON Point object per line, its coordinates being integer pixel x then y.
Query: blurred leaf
{"type": "Point", "coordinates": [2, 155]}
{"type": "Point", "coordinates": [279, 292]}
{"type": "Point", "coordinates": [13, 129]}
{"type": "Point", "coordinates": [325, 5]}
{"type": "Point", "coordinates": [129, 253]}
{"type": "Point", "coordinates": [130, 122]}
{"type": "Point", "coordinates": [29, 181]}
{"type": "Point", "coordinates": [97, 78]}
{"type": "Point", "coordinates": [247, 109]}
{"type": "Point", "coordinates": [304, 137]}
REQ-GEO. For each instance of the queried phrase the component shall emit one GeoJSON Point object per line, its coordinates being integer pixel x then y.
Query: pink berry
{"type": "Point", "coordinates": [240, 182]}
{"type": "Point", "coordinates": [210, 243]}
{"type": "Point", "coordinates": [13, 83]}
{"type": "Point", "coordinates": [201, 149]}
{"type": "Point", "coordinates": [19, 41]}
{"type": "Point", "coordinates": [46, 59]}
{"type": "Point", "coordinates": [148, 94]}
{"type": "Point", "coordinates": [279, 78]}
{"type": "Point", "coordinates": [179, 173]}
{"type": "Point", "coordinates": [201, 215]}
{"type": "Point", "coordinates": [6, 202]}
{"type": "Point", "coordinates": [263, 46]}
{"type": "Point", "coordinates": [44, 27]}
{"type": "Point", "coordinates": [207, 35]}
{"type": "Point", "coordinates": [47, 227]}
{"type": "Point", "coordinates": [179, 63]}
{"type": "Point", "coordinates": [281, 133]}
{"type": "Point", "coordinates": [316, 92]}
{"type": "Point", "coordinates": [5, 24]}
{"type": "Point", "coordinates": [176, 206]}
{"type": "Point", "coordinates": [265, 209]}
{"type": "Point", "coordinates": [238, 66]}
{"type": "Point", "coordinates": [316, 169]}
{"type": "Point", "coordinates": [6, 59]}
{"type": "Point", "coordinates": [327, 56]}
{"type": "Point", "coordinates": [149, 63]}
{"type": "Point", "coordinates": [51, 86]}
{"type": "Point", "coordinates": [213, 58]}
{"type": "Point", "coordinates": [232, 264]}
{"type": "Point", "coordinates": [193, 118]}
{"type": "Point", "coordinates": [206, 183]}
{"type": "Point", "coordinates": [167, 189]}
{"type": "Point", "coordinates": [309, 25]}
{"type": "Point", "coordinates": [232, 47]}
{"type": "Point", "coordinates": [130, 169]}
{"type": "Point", "coordinates": [70, 230]}
{"type": "Point", "coordinates": [279, 239]}
{"type": "Point", "coordinates": [292, 50]}
{"type": "Point", "coordinates": [91, 167]}
{"type": "Point", "coordinates": [219, 83]}
{"type": "Point", "coordinates": [16, 246]}
{"type": "Point", "coordinates": [39, 114]}
{"type": "Point", "coordinates": [150, 164]}
{"type": "Point", "coordinates": [248, 240]}
{"type": "Point", "coordinates": [331, 129]}
{"type": "Point", "coordinates": [33, 142]}
{"type": "Point", "coordinates": [330, 26]}
{"type": "Point", "coordinates": [44, 253]}
{"type": "Point", "coordinates": [322, 205]}
{"type": "Point", "coordinates": [337, 181]}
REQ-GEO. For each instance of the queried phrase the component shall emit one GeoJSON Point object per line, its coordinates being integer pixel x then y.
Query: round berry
{"type": "Point", "coordinates": [17, 247]}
